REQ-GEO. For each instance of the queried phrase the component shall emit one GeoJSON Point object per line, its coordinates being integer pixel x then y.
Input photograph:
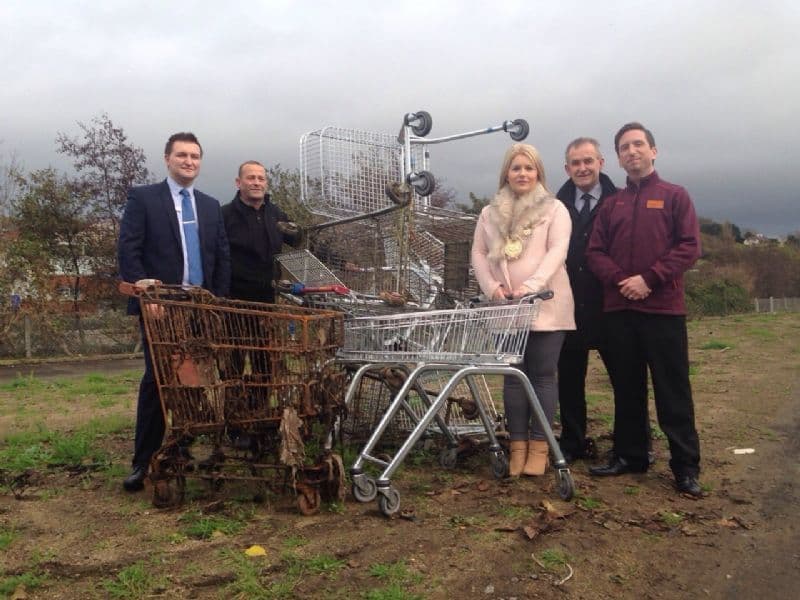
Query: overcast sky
{"type": "Point", "coordinates": [718, 83]}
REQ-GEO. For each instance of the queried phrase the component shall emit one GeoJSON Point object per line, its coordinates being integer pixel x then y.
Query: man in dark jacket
{"type": "Point", "coordinates": [251, 223]}
{"type": "Point", "coordinates": [583, 194]}
{"type": "Point", "coordinates": [643, 240]}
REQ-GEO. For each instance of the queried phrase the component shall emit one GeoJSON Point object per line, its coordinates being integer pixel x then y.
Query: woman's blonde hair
{"type": "Point", "coordinates": [529, 152]}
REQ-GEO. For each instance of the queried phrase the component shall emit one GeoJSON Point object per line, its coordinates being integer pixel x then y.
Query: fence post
{"type": "Point", "coordinates": [27, 323]}
{"type": "Point", "coordinates": [771, 304]}
{"type": "Point", "coordinates": [755, 301]}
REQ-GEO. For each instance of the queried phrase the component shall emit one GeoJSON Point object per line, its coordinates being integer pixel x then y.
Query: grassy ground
{"type": "Point", "coordinates": [68, 531]}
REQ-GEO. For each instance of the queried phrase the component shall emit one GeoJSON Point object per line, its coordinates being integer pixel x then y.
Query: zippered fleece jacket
{"type": "Point", "coordinates": [649, 229]}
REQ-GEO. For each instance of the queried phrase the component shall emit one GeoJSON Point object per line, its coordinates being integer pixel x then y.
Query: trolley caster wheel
{"type": "Point", "coordinates": [423, 182]}
{"type": "Point", "coordinates": [566, 487]}
{"type": "Point", "coordinates": [499, 464]}
{"type": "Point", "coordinates": [420, 122]}
{"type": "Point", "coordinates": [365, 490]}
{"type": "Point", "coordinates": [448, 458]}
{"type": "Point", "coordinates": [389, 502]}
{"type": "Point", "coordinates": [334, 489]}
{"type": "Point", "coordinates": [518, 129]}
{"type": "Point", "coordinates": [309, 502]}
{"type": "Point", "coordinates": [168, 493]}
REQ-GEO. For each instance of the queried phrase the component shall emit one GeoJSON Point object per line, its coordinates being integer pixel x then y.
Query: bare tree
{"type": "Point", "coordinates": [10, 168]}
{"type": "Point", "coordinates": [107, 166]}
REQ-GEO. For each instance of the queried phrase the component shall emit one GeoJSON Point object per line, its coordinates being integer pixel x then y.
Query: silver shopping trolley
{"type": "Point", "coordinates": [482, 340]}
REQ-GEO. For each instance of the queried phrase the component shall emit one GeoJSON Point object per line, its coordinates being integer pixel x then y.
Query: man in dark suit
{"type": "Point", "coordinates": [173, 233]}
{"type": "Point", "coordinates": [582, 194]}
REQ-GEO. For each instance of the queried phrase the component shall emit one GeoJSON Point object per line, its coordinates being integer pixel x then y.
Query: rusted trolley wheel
{"type": "Point", "coordinates": [309, 501]}
{"type": "Point", "coordinates": [389, 503]}
{"type": "Point", "coordinates": [169, 492]}
{"type": "Point", "coordinates": [334, 488]}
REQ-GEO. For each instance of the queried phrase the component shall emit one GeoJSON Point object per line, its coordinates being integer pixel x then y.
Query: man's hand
{"type": "Point", "coordinates": [634, 288]}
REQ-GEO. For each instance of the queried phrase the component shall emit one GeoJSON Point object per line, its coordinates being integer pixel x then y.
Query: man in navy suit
{"type": "Point", "coordinates": [153, 245]}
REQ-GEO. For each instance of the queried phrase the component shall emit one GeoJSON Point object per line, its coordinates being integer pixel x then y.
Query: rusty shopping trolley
{"type": "Point", "coordinates": [485, 339]}
{"type": "Point", "coordinates": [256, 382]}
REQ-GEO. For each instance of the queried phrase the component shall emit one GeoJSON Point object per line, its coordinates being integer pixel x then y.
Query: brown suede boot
{"type": "Point", "coordinates": [519, 449]}
{"type": "Point", "coordinates": [538, 454]}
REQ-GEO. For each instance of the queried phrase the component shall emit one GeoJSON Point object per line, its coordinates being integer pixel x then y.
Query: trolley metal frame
{"type": "Point", "coordinates": [257, 381]}
{"type": "Point", "coordinates": [484, 340]}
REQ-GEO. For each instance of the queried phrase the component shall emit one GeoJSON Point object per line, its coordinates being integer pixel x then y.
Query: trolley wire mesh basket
{"type": "Point", "coordinates": [493, 333]}
{"type": "Point", "coordinates": [257, 382]}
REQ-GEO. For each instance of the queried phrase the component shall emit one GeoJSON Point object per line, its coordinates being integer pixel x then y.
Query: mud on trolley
{"type": "Point", "coordinates": [255, 383]}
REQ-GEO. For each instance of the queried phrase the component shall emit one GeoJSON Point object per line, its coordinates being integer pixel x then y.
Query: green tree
{"type": "Point", "coordinates": [55, 236]}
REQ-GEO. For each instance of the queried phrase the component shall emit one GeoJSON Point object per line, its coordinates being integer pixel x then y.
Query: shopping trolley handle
{"type": "Point", "coordinates": [300, 289]}
{"type": "Point", "coordinates": [541, 295]}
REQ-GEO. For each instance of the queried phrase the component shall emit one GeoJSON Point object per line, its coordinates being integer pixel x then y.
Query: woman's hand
{"type": "Point", "coordinates": [500, 293]}
{"type": "Point", "coordinates": [521, 291]}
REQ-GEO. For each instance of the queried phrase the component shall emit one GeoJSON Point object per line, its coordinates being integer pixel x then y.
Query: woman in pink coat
{"type": "Point", "coordinates": [520, 247]}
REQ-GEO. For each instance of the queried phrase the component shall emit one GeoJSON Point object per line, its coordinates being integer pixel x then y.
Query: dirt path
{"type": "Point", "coordinates": [50, 369]}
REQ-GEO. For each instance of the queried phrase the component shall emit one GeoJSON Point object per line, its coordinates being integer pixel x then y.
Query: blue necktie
{"type": "Point", "coordinates": [192, 239]}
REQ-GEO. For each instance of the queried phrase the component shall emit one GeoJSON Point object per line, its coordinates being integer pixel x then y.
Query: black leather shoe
{"type": "Point", "coordinates": [687, 484]}
{"type": "Point", "coordinates": [616, 466]}
{"type": "Point", "coordinates": [135, 481]}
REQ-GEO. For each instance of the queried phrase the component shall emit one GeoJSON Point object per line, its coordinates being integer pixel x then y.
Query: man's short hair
{"type": "Point", "coordinates": [250, 162]}
{"type": "Point", "coordinates": [580, 142]}
{"type": "Point", "coordinates": [182, 136]}
{"type": "Point", "coordinates": [633, 126]}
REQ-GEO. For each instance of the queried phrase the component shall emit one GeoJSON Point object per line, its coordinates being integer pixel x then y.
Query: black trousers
{"type": "Point", "coordinates": [638, 341]}
{"type": "Point", "coordinates": [572, 366]}
{"type": "Point", "coordinates": [149, 416]}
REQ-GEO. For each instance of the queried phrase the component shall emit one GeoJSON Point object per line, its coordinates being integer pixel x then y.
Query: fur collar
{"type": "Point", "coordinates": [515, 217]}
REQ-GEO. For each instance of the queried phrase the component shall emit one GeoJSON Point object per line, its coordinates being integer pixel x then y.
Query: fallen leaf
{"type": "Point", "coordinates": [20, 593]}
{"type": "Point", "coordinates": [742, 522]}
{"type": "Point", "coordinates": [612, 525]}
{"type": "Point", "coordinates": [690, 531]}
{"type": "Point", "coordinates": [530, 531]}
{"type": "Point", "coordinates": [482, 485]}
{"type": "Point", "coordinates": [255, 550]}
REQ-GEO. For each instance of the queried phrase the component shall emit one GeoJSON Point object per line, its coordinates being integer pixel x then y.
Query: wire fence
{"type": "Point", "coordinates": [773, 305]}
{"type": "Point", "coordinates": [30, 335]}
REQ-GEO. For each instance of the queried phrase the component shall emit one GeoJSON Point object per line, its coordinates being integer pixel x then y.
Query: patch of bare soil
{"type": "Point", "coordinates": [462, 533]}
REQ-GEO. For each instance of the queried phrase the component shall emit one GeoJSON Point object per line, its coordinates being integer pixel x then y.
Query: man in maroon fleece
{"type": "Point", "coordinates": [644, 238]}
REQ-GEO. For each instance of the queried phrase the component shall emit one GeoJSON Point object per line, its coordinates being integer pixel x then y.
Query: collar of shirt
{"type": "Point", "coordinates": [595, 193]}
{"type": "Point", "coordinates": [175, 190]}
